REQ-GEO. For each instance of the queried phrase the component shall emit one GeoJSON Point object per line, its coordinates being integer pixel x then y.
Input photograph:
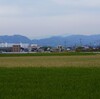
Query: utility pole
{"type": "Point", "coordinates": [65, 44]}
{"type": "Point", "coordinates": [80, 42]}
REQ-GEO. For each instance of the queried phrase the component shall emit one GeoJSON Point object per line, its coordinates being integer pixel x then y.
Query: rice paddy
{"type": "Point", "coordinates": [49, 83]}
{"type": "Point", "coordinates": [50, 77]}
{"type": "Point", "coordinates": [51, 61]}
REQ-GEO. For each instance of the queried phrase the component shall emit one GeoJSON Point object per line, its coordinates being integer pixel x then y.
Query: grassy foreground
{"type": "Point", "coordinates": [50, 76]}
{"type": "Point", "coordinates": [49, 83]}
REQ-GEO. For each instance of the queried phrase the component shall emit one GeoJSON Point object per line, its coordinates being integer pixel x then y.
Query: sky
{"type": "Point", "coordinates": [45, 18]}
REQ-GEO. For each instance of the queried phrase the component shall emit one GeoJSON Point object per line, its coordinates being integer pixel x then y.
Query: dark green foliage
{"type": "Point", "coordinates": [49, 83]}
{"type": "Point", "coordinates": [47, 54]}
{"type": "Point", "coordinates": [82, 49]}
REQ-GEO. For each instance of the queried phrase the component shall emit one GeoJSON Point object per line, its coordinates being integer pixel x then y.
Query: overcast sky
{"type": "Point", "coordinates": [45, 18]}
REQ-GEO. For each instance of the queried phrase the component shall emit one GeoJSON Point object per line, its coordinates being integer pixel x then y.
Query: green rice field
{"type": "Point", "coordinates": [50, 77]}
{"type": "Point", "coordinates": [49, 83]}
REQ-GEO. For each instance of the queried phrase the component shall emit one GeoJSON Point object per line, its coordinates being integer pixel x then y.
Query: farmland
{"type": "Point", "coordinates": [50, 76]}
{"type": "Point", "coordinates": [51, 61]}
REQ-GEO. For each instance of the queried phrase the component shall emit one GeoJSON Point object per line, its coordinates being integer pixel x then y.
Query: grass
{"type": "Point", "coordinates": [49, 83]}
{"type": "Point", "coordinates": [47, 54]}
{"type": "Point", "coordinates": [50, 77]}
{"type": "Point", "coordinates": [51, 61]}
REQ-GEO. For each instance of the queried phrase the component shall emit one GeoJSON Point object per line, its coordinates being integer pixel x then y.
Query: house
{"type": "Point", "coordinates": [33, 48]}
{"type": "Point", "coordinates": [5, 49]}
{"type": "Point", "coordinates": [16, 48]}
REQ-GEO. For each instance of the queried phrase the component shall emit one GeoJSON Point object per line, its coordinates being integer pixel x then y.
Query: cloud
{"type": "Point", "coordinates": [60, 2]}
{"type": "Point", "coordinates": [6, 10]}
{"type": "Point", "coordinates": [39, 18]}
{"type": "Point", "coordinates": [91, 3]}
{"type": "Point", "coordinates": [21, 8]}
{"type": "Point", "coordinates": [78, 3]}
{"type": "Point", "coordinates": [38, 27]}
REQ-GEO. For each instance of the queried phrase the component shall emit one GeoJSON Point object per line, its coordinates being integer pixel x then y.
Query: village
{"type": "Point", "coordinates": [34, 48]}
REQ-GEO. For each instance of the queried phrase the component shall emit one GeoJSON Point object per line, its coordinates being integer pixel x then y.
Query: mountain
{"type": "Point", "coordinates": [56, 40]}
{"type": "Point", "coordinates": [14, 39]}
{"type": "Point", "coordinates": [53, 41]}
{"type": "Point", "coordinates": [73, 40]}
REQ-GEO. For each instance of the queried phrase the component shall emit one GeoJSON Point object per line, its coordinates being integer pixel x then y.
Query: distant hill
{"type": "Point", "coordinates": [56, 40]}
{"type": "Point", "coordinates": [14, 39]}
{"type": "Point", "coordinates": [73, 40]}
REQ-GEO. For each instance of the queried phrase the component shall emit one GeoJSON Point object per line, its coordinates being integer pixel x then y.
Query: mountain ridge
{"type": "Point", "coordinates": [71, 40]}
